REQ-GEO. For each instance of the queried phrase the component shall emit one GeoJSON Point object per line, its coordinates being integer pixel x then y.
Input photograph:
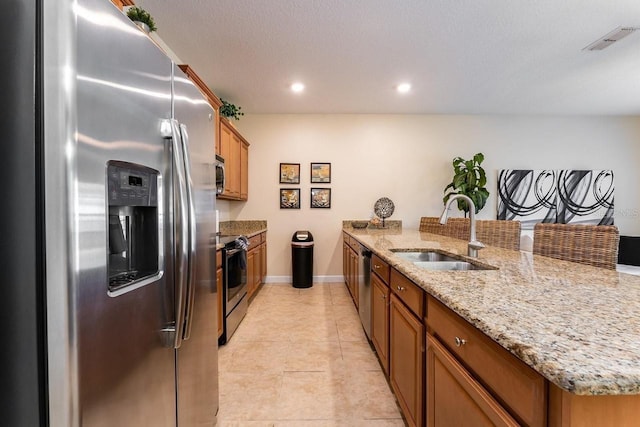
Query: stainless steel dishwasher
{"type": "Point", "coordinates": [364, 289]}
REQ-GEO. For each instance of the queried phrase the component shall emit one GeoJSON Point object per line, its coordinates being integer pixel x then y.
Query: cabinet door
{"type": "Point", "coordinates": [250, 273]}
{"type": "Point", "coordinates": [244, 171]}
{"type": "Point", "coordinates": [355, 269]}
{"type": "Point", "coordinates": [454, 398]}
{"type": "Point", "coordinates": [220, 296]}
{"type": "Point", "coordinates": [257, 268]}
{"type": "Point", "coordinates": [233, 169]}
{"type": "Point", "coordinates": [345, 262]}
{"type": "Point", "coordinates": [263, 265]}
{"type": "Point", "coordinates": [380, 320]}
{"type": "Point", "coordinates": [225, 152]}
{"type": "Point", "coordinates": [406, 349]}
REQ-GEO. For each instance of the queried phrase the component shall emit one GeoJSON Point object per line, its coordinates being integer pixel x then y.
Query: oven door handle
{"type": "Point", "coordinates": [231, 252]}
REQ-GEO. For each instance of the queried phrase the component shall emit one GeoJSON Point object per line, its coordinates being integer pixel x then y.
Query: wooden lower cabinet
{"type": "Point", "coordinates": [570, 410]}
{"type": "Point", "coordinates": [354, 270]}
{"type": "Point", "coordinates": [263, 263]}
{"type": "Point", "coordinates": [517, 387]}
{"type": "Point", "coordinates": [256, 263]}
{"type": "Point", "coordinates": [380, 320]}
{"type": "Point", "coordinates": [406, 360]}
{"type": "Point", "coordinates": [454, 397]}
{"type": "Point", "coordinates": [219, 284]}
{"type": "Point", "coordinates": [350, 269]}
{"type": "Point", "coordinates": [345, 263]}
{"type": "Point", "coordinates": [251, 283]}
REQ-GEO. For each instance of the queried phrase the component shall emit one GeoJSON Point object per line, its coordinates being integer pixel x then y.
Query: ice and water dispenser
{"type": "Point", "coordinates": [133, 223]}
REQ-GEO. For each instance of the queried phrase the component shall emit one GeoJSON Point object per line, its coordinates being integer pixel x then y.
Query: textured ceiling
{"type": "Point", "coordinates": [461, 56]}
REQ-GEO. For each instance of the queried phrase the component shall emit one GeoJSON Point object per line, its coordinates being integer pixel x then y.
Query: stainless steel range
{"type": "Point", "coordinates": [235, 299]}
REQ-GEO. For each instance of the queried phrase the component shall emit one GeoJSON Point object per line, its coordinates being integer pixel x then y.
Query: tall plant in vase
{"type": "Point", "coordinates": [469, 178]}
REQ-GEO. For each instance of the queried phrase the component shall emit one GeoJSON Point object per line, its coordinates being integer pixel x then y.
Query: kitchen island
{"type": "Point", "coordinates": [577, 326]}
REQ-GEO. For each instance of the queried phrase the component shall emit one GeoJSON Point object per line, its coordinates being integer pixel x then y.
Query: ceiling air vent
{"type": "Point", "coordinates": [614, 36]}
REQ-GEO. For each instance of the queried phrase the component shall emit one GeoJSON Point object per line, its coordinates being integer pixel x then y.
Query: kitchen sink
{"type": "Point", "coordinates": [447, 265]}
{"type": "Point", "coordinates": [438, 261]}
{"type": "Point", "coordinates": [427, 256]}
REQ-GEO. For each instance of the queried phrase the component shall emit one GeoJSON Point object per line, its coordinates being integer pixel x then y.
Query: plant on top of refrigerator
{"type": "Point", "coordinates": [138, 14]}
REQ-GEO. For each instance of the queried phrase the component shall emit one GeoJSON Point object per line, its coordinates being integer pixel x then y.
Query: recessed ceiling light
{"type": "Point", "coordinates": [297, 87]}
{"type": "Point", "coordinates": [403, 87]}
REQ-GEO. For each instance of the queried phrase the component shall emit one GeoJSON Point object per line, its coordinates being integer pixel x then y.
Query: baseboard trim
{"type": "Point", "coordinates": [316, 279]}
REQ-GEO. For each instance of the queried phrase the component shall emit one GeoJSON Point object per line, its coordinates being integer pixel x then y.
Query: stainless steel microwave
{"type": "Point", "coordinates": [220, 175]}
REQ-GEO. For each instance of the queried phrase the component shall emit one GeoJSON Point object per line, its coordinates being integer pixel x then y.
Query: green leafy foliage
{"type": "Point", "coordinates": [470, 179]}
{"type": "Point", "coordinates": [230, 111]}
{"type": "Point", "coordinates": [138, 14]}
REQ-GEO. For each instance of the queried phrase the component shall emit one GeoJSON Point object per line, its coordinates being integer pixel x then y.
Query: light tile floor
{"type": "Point", "coordinates": [301, 358]}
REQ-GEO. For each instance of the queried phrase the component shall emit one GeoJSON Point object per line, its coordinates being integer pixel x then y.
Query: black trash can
{"type": "Point", "coordinates": [302, 259]}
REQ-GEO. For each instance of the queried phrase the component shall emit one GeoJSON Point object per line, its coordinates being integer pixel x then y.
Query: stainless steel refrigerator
{"type": "Point", "coordinates": [108, 227]}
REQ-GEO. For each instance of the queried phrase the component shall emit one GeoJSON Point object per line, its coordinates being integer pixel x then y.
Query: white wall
{"type": "Point", "coordinates": [408, 159]}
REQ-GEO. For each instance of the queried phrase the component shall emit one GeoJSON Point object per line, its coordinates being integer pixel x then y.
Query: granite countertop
{"type": "Point", "coordinates": [247, 228]}
{"type": "Point", "coordinates": [577, 325]}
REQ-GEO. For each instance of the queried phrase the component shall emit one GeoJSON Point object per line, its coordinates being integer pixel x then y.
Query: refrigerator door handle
{"type": "Point", "coordinates": [191, 282]}
{"type": "Point", "coordinates": [182, 233]}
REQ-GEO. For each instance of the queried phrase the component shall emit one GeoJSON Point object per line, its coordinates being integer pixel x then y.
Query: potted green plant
{"type": "Point", "coordinates": [142, 18]}
{"type": "Point", "coordinates": [230, 111]}
{"type": "Point", "coordinates": [469, 178]}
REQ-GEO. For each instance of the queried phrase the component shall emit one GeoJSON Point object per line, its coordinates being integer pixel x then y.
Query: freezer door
{"type": "Point", "coordinates": [197, 357]}
{"type": "Point", "coordinates": [125, 369]}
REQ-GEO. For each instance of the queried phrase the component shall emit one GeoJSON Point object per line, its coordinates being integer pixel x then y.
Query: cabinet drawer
{"type": "Point", "coordinates": [408, 292]}
{"type": "Point", "coordinates": [218, 259]}
{"type": "Point", "coordinates": [346, 238]}
{"type": "Point", "coordinates": [255, 241]}
{"type": "Point", "coordinates": [380, 267]}
{"type": "Point", "coordinates": [454, 397]}
{"type": "Point", "coordinates": [514, 384]}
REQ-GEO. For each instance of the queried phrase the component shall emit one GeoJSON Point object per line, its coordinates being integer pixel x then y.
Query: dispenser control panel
{"type": "Point", "coordinates": [132, 185]}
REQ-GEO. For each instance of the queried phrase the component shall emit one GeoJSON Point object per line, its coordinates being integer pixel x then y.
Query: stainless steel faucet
{"type": "Point", "coordinates": [474, 245]}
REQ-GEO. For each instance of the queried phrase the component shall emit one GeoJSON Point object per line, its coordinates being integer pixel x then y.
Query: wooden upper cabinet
{"type": "Point", "coordinates": [208, 93]}
{"type": "Point", "coordinates": [233, 168]}
{"type": "Point", "coordinates": [235, 151]}
{"type": "Point", "coordinates": [229, 144]}
{"type": "Point", "coordinates": [211, 98]}
{"type": "Point", "coordinates": [244, 170]}
{"type": "Point", "coordinates": [122, 3]}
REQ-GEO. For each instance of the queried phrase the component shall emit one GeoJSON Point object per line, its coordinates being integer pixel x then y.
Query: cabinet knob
{"type": "Point", "coordinates": [376, 266]}
{"type": "Point", "coordinates": [460, 342]}
{"type": "Point", "coordinates": [400, 288]}
{"type": "Point", "coordinates": [384, 297]}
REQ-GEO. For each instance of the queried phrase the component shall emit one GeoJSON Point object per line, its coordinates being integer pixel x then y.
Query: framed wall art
{"type": "Point", "coordinates": [289, 198]}
{"type": "Point", "coordinates": [289, 173]}
{"type": "Point", "coordinates": [320, 197]}
{"type": "Point", "coordinates": [320, 173]}
{"type": "Point", "coordinates": [556, 196]}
